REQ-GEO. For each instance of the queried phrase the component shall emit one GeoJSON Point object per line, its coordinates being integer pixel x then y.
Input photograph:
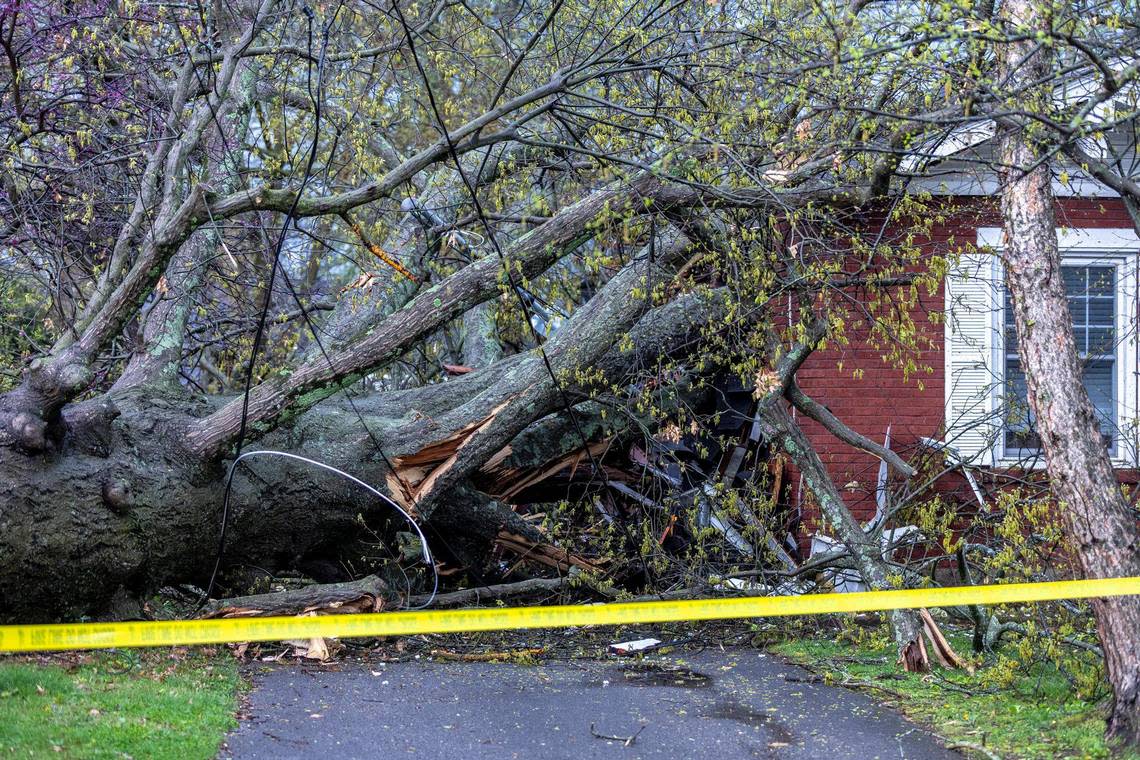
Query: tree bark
{"type": "Point", "coordinates": [1099, 523]}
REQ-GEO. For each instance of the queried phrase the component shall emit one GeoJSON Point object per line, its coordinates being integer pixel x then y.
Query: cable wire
{"type": "Point", "coordinates": [426, 552]}
{"type": "Point", "coordinates": [275, 267]}
{"type": "Point", "coordinates": [515, 287]}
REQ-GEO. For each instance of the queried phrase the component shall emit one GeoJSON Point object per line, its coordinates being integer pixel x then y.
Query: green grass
{"type": "Point", "coordinates": [1036, 715]}
{"type": "Point", "coordinates": [154, 705]}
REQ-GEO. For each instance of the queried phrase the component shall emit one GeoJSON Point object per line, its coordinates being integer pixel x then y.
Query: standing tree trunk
{"type": "Point", "coordinates": [866, 553]}
{"type": "Point", "coordinates": [1097, 518]}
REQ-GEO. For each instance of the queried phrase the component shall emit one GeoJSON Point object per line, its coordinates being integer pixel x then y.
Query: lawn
{"type": "Point", "coordinates": [157, 704]}
{"type": "Point", "coordinates": [1037, 715]}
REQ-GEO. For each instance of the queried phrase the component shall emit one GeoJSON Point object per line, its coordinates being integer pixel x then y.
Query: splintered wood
{"type": "Point", "coordinates": [946, 655]}
{"type": "Point", "coordinates": [914, 656]}
{"type": "Point", "coordinates": [416, 474]}
{"type": "Point", "coordinates": [545, 554]}
{"type": "Point", "coordinates": [505, 483]}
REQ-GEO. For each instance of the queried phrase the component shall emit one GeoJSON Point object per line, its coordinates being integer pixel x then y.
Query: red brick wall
{"type": "Point", "coordinates": [881, 396]}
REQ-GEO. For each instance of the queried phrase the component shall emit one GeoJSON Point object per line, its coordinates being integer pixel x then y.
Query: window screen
{"type": "Point", "coordinates": [1092, 304]}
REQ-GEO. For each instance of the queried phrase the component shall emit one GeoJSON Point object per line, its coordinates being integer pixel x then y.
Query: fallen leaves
{"type": "Point", "coordinates": [524, 656]}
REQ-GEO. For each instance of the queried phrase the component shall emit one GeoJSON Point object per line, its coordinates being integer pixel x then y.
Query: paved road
{"type": "Point", "coordinates": [739, 704]}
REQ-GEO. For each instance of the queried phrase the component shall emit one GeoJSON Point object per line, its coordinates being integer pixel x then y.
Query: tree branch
{"type": "Point", "coordinates": [835, 426]}
{"type": "Point", "coordinates": [318, 378]}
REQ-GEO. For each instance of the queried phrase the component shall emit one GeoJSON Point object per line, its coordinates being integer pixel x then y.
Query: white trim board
{"type": "Point", "coordinates": [1118, 246]}
{"type": "Point", "coordinates": [1074, 238]}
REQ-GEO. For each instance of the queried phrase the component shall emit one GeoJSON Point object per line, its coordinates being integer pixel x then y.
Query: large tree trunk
{"type": "Point", "coordinates": [124, 507]}
{"type": "Point", "coordinates": [1099, 522]}
{"type": "Point", "coordinates": [125, 501]}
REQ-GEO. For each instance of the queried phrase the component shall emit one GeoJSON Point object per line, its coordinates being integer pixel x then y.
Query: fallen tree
{"type": "Point", "coordinates": [114, 463]}
{"type": "Point", "coordinates": [145, 507]}
{"type": "Point", "coordinates": [456, 256]}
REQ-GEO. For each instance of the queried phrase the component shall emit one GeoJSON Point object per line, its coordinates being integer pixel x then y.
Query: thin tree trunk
{"type": "Point", "coordinates": [781, 429]}
{"type": "Point", "coordinates": [1098, 520]}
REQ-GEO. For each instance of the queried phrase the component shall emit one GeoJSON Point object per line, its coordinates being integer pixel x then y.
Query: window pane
{"type": "Point", "coordinates": [1010, 338]}
{"type": "Point", "coordinates": [1101, 311]}
{"type": "Point", "coordinates": [1075, 281]}
{"type": "Point", "coordinates": [1099, 382]}
{"type": "Point", "coordinates": [1102, 281]}
{"type": "Point", "coordinates": [1101, 341]}
{"type": "Point", "coordinates": [1018, 419]}
{"type": "Point", "coordinates": [1091, 294]}
{"type": "Point", "coordinates": [1010, 327]}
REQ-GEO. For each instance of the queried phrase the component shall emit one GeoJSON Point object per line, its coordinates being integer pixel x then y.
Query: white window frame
{"type": "Point", "coordinates": [1119, 247]}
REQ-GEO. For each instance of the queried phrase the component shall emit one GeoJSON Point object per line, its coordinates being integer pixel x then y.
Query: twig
{"type": "Point", "coordinates": [625, 740]}
{"type": "Point", "coordinates": [849, 684]}
{"type": "Point", "coordinates": [515, 655]}
{"type": "Point", "coordinates": [975, 748]}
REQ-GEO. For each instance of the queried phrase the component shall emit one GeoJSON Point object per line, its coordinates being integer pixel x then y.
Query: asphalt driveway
{"type": "Point", "coordinates": [735, 704]}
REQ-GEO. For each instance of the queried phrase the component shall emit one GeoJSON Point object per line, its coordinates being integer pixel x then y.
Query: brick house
{"type": "Point", "coordinates": [974, 398]}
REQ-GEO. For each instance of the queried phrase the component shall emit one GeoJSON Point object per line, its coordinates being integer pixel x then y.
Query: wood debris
{"type": "Point", "coordinates": [511, 656]}
{"type": "Point", "coordinates": [364, 595]}
{"type": "Point", "coordinates": [546, 554]}
{"type": "Point", "coordinates": [946, 655]}
{"type": "Point", "coordinates": [505, 483]}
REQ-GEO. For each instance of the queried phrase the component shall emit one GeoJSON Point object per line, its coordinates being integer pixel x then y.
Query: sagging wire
{"type": "Point", "coordinates": [290, 218]}
{"type": "Point", "coordinates": [513, 284]}
{"type": "Point", "coordinates": [426, 552]}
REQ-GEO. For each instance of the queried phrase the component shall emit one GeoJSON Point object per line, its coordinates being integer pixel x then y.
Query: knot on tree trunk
{"type": "Point", "coordinates": [23, 430]}
{"type": "Point", "coordinates": [29, 414]}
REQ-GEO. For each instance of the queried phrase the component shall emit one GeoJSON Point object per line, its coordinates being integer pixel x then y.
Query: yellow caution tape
{"type": "Point", "coordinates": [32, 638]}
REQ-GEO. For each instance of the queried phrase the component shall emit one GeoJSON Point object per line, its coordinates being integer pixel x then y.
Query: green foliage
{"type": "Point", "coordinates": [1019, 539]}
{"type": "Point", "coordinates": [24, 325]}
